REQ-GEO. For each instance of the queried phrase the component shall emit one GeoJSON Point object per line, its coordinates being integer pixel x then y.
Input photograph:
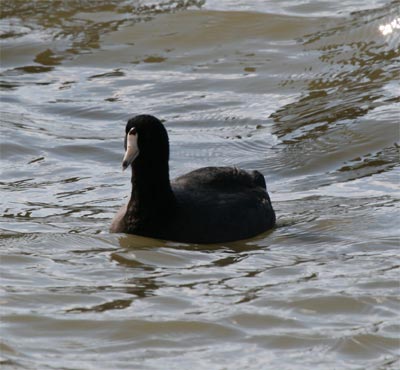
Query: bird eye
{"type": "Point", "coordinates": [132, 131]}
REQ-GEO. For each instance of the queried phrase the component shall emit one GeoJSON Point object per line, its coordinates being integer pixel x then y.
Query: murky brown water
{"type": "Point", "coordinates": [307, 92]}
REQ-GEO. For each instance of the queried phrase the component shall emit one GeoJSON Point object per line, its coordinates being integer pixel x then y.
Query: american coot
{"type": "Point", "coordinates": [208, 205]}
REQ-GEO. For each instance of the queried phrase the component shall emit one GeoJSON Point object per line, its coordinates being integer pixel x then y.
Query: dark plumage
{"type": "Point", "coordinates": [208, 205]}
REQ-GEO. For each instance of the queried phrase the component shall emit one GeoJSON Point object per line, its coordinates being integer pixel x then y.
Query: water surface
{"type": "Point", "coordinates": [307, 92]}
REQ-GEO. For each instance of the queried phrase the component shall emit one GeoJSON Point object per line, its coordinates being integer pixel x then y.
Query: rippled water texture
{"type": "Point", "coordinates": [305, 91]}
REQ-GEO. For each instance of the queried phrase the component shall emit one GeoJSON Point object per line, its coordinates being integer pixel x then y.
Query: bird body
{"type": "Point", "coordinates": [207, 205]}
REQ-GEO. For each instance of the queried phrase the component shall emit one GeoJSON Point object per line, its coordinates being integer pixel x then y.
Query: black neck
{"type": "Point", "coordinates": [152, 197]}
